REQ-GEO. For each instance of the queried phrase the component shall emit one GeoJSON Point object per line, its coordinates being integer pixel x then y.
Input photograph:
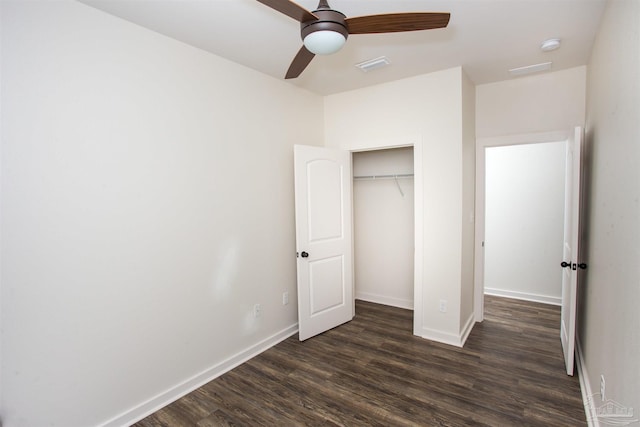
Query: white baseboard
{"type": "Point", "coordinates": [381, 299]}
{"type": "Point", "coordinates": [545, 299]}
{"type": "Point", "coordinates": [457, 340]}
{"type": "Point", "coordinates": [466, 330]}
{"type": "Point", "coordinates": [152, 405]}
{"type": "Point", "coordinates": [441, 337]}
{"type": "Point", "coordinates": [585, 388]}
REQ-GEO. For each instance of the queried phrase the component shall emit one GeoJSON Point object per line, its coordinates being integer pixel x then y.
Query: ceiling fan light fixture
{"type": "Point", "coordinates": [325, 30]}
{"type": "Point", "coordinates": [324, 42]}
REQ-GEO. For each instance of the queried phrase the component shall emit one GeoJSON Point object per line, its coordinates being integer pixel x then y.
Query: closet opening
{"type": "Point", "coordinates": [383, 226]}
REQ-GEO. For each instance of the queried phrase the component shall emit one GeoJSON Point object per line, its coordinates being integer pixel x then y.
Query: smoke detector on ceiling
{"type": "Point", "coordinates": [549, 45]}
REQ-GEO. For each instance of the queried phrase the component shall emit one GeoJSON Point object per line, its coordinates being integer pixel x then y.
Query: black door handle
{"type": "Point", "coordinates": [304, 254]}
{"type": "Point", "coordinates": [565, 264]}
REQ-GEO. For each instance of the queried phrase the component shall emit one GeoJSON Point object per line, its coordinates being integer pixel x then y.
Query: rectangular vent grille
{"type": "Point", "coordinates": [530, 69]}
{"type": "Point", "coordinates": [373, 64]}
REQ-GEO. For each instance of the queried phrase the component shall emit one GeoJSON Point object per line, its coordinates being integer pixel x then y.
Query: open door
{"type": "Point", "coordinates": [323, 239]}
{"type": "Point", "coordinates": [571, 262]}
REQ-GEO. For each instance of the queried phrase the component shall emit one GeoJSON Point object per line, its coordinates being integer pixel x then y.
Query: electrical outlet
{"type": "Point", "coordinates": [602, 387]}
{"type": "Point", "coordinates": [285, 298]}
{"type": "Point", "coordinates": [257, 310]}
{"type": "Point", "coordinates": [443, 306]}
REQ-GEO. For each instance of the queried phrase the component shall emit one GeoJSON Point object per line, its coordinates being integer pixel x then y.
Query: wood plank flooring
{"type": "Point", "coordinates": [374, 372]}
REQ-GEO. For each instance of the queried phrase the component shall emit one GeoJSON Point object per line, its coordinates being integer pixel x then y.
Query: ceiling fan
{"type": "Point", "coordinates": [324, 31]}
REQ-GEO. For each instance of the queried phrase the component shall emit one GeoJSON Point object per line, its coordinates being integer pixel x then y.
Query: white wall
{"type": "Point", "coordinates": [468, 202]}
{"type": "Point", "coordinates": [383, 227]}
{"type": "Point", "coordinates": [609, 318]}
{"type": "Point", "coordinates": [1, 185]}
{"type": "Point", "coordinates": [524, 221]}
{"type": "Point", "coordinates": [427, 108]}
{"type": "Point", "coordinates": [538, 103]}
{"type": "Point", "coordinates": [147, 204]}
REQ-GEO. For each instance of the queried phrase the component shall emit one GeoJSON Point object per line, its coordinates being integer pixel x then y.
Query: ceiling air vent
{"type": "Point", "coordinates": [530, 69]}
{"type": "Point", "coordinates": [373, 64]}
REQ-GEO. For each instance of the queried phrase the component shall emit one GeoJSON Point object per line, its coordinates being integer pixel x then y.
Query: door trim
{"type": "Point", "coordinates": [481, 145]}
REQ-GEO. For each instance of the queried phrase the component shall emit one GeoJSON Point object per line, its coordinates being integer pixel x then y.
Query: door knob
{"type": "Point", "coordinates": [582, 265]}
{"type": "Point", "coordinates": [565, 264]}
{"type": "Point", "coordinates": [304, 254]}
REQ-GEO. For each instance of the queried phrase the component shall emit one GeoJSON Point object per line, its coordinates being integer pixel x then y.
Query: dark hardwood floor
{"type": "Point", "coordinates": [374, 372]}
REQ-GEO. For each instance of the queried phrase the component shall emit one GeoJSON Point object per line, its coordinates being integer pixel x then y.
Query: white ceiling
{"type": "Point", "coordinates": [485, 37]}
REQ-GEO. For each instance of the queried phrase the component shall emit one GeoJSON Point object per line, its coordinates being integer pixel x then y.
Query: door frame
{"type": "Point", "coordinates": [481, 145]}
{"type": "Point", "coordinates": [418, 226]}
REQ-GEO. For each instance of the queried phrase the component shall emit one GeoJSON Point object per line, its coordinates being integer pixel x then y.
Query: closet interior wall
{"type": "Point", "coordinates": [383, 212]}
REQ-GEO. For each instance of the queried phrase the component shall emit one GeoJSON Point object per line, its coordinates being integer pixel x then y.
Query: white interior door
{"type": "Point", "coordinates": [571, 262]}
{"type": "Point", "coordinates": [323, 239]}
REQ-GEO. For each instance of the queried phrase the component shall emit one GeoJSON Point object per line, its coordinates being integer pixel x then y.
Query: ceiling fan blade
{"type": "Point", "coordinates": [290, 9]}
{"type": "Point", "coordinates": [396, 22]}
{"type": "Point", "coordinates": [299, 63]}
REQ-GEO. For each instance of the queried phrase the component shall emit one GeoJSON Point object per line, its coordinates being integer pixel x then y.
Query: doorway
{"type": "Point", "coordinates": [383, 224]}
{"type": "Point", "coordinates": [524, 221]}
{"type": "Point", "coordinates": [520, 217]}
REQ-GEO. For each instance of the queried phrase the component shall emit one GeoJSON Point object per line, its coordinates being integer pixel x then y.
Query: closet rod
{"type": "Point", "coordinates": [401, 175]}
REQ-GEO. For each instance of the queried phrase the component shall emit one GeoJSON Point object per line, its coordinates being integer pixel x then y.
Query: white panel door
{"type": "Point", "coordinates": [571, 262]}
{"type": "Point", "coordinates": [323, 238]}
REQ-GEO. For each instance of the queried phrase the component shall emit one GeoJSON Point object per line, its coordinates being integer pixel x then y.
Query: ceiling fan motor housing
{"type": "Point", "coordinates": [328, 20]}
